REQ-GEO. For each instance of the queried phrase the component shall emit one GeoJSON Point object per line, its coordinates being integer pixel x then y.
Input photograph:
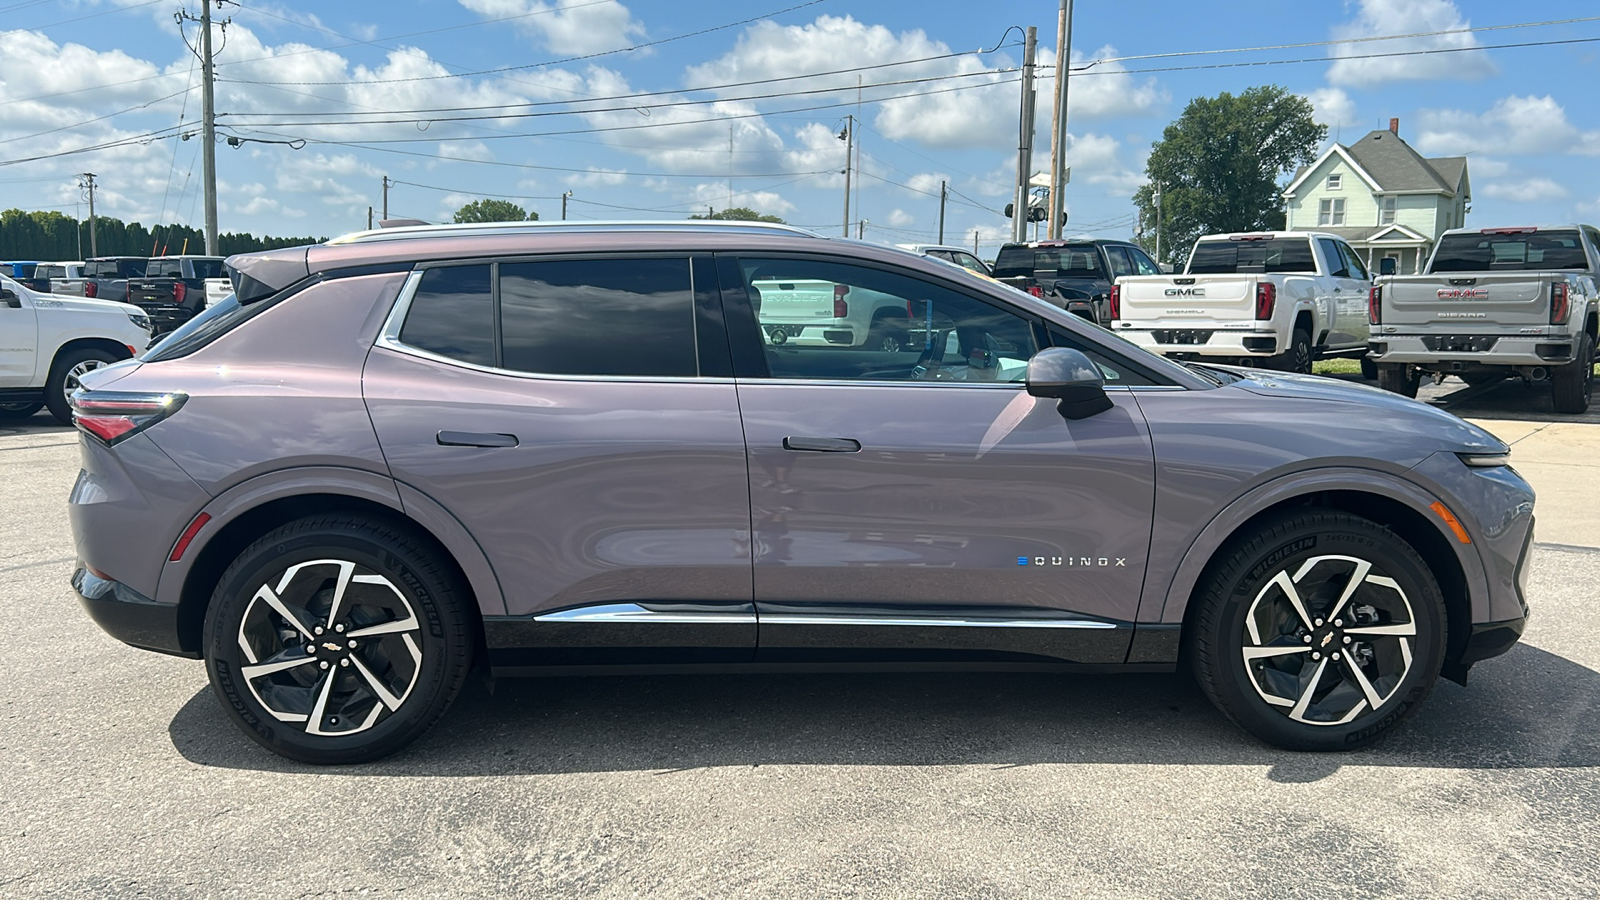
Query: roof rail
{"type": "Point", "coordinates": [481, 229]}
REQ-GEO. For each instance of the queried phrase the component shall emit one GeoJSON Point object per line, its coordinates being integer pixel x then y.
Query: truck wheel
{"type": "Point", "coordinates": [1571, 384]}
{"type": "Point", "coordinates": [1369, 369]}
{"type": "Point", "coordinates": [887, 335]}
{"type": "Point", "coordinates": [1400, 379]}
{"type": "Point", "coordinates": [64, 377]}
{"type": "Point", "coordinates": [1297, 357]}
{"type": "Point", "coordinates": [1318, 630]}
{"type": "Point", "coordinates": [11, 412]}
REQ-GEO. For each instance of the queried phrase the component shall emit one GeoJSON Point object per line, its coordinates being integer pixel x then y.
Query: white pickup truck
{"type": "Point", "coordinates": [1280, 298]}
{"type": "Point", "coordinates": [47, 342]}
{"type": "Point", "coordinates": [1495, 302]}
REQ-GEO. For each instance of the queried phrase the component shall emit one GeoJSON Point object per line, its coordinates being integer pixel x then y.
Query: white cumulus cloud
{"type": "Point", "coordinates": [1386, 17]}
{"type": "Point", "coordinates": [566, 26]}
{"type": "Point", "coordinates": [1513, 125]}
{"type": "Point", "coordinates": [1529, 190]}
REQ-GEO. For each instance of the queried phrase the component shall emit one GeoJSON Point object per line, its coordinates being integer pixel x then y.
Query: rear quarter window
{"type": "Point", "coordinates": [452, 314]}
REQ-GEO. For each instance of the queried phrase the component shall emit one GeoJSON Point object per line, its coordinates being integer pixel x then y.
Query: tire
{"type": "Point", "coordinates": [1325, 676]}
{"type": "Point", "coordinates": [1369, 369]}
{"type": "Point", "coordinates": [389, 688]}
{"type": "Point", "coordinates": [64, 376]}
{"type": "Point", "coordinates": [14, 412]}
{"type": "Point", "coordinates": [1572, 384]}
{"type": "Point", "coordinates": [1484, 376]}
{"type": "Point", "coordinates": [1399, 378]}
{"type": "Point", "coordinates": [887, 335]}
{"type": "Point", "coordinates": [1297, 357]}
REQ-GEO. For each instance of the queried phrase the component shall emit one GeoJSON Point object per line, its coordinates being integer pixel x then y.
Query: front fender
{"type": "Point", "coordinates": [1174, 597]}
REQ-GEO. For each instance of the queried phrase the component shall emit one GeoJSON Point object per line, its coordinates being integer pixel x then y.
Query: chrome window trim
{"type": "Point", "coordinates": [932, 621]}
{"type": "Point", "coordinates": [634, 613]}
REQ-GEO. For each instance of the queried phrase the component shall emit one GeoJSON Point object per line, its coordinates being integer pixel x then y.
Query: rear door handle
{"type": "Point", "coordinates": [822, 444]}
{"type": "Point", "coordinates": [476, 439]}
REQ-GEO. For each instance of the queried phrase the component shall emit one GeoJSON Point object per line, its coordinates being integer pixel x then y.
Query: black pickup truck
{"type": "Point", "coordinates": [1075, 274]}
{"type": "Point", "coordinates": [174, 288]}
{"type": "Point", "coordinates": [106, 277]}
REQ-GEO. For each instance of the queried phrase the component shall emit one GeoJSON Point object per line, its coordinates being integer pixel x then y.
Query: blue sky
{"type": "Point", "coordinates": [79, 73]}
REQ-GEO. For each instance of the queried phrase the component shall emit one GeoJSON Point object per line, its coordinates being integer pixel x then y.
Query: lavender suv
{"type": "Point", "coordinates": [404, 455]}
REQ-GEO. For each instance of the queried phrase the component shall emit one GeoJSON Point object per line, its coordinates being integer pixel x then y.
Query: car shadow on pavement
{"type": "Point", "coordinates": [38, 423]}
{"type": "Point", "coordinates": [1528, 709]}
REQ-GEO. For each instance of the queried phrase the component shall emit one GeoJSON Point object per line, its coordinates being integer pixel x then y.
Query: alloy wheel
{"type": "Point", "coordinates": [331, 646]}
{"type": "Point", "coordinates": [1329, 640]}
{"type": "Point", "coordinates": [77, 372]}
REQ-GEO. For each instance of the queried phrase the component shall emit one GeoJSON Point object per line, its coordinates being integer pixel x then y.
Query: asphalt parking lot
{"type": "Point", "coordinates": [119, 773]}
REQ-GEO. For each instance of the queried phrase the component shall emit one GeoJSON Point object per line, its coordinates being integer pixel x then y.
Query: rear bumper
{"type": "Point", "coordinates": [1200, 341]}
{"type": "Point", "coordinates": [1412, 349]}
{"type": "Point", "coordinates": [129, 616]}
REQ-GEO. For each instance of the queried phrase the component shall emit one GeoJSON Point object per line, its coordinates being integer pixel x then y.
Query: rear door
{"type": "Point", "coordinates": [920, 505]}
{"type": "Point", "coordinates": [577, 416]}
{"type": "Point", "coordinates": [1347, 326]}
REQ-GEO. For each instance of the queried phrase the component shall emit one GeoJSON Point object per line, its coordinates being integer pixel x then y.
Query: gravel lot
{"type": "Point", "coordinates": [119, 774]}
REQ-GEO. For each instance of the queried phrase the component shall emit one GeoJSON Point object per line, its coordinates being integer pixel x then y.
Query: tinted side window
{"type": "Point", "coordinates": [1352, 261]}
{"type": "Point", "coordinates": [452, 314]}
{"type": "Point", "coordinates": [1142, 262]}
{"type": "Point", "coordinates": [1120, 264]}
{"type": "Point", "coordinates": [1336, 263]}
{"type": "Point", "coordinates": [598, 317]}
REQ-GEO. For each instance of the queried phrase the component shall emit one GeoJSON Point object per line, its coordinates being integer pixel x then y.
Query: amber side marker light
{"type": "Point", "coordinates": [1450, 519]}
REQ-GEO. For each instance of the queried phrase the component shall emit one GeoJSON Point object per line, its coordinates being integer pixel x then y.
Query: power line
{"type": "Point", "coordinates": [99, 118]}
{"type": "Point", "coordinates": [579, 58]}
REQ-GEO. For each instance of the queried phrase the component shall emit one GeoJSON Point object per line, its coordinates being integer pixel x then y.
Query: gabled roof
{"type": "Point", "coordinates": [1343, 153]}
{"type": "Point", "coordinates": [1397, 167]}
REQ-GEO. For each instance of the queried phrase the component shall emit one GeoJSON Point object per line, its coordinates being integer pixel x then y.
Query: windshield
{"type": "Point", "coordinates": [1266, 255]}
{"type": "Point", "coordinates": [1516, 251]}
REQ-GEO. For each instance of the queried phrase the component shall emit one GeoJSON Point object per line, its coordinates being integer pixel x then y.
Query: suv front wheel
{"type": "Point", "coordinates": [335, 639]}
{"type": "Point", "coordinates": [1319, 631]}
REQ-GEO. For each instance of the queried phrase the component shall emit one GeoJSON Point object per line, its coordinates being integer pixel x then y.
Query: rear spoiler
{"type": "Point", "coordinates": [256, 276]}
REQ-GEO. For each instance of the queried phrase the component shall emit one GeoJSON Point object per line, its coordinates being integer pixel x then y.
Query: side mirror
{"type": "Point", "coordinates": [1386, 266]}
{"type": "Point", "coordinates": [1072, 379]}
{"type": "Point", "coordinates": [11, 299]}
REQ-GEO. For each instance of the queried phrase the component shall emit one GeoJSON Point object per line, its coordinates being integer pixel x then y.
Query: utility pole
{"type": "Point", "coordinates": [1155, 196]}
{"type": "Point", "coordinates": [1058, 140]}
{"type": "Point", "coordinates": [730, 165]}
{"type": "Point", "coordinates": [942, 193]}
{"type": "Point", "coordinates": [208, 124]}
{"type": "Point", "coordinates": [1019, 209]}
{"type": "Point", "coordinates": [974, 242]}
{"type": "Point", "coordinates": [564, 205]}
{"type": "Point", "coordinates": [369, 218]}
{"type": "Point", "coordinates": [861, 230]}
{"type": "Point", "coordinates": [94, 246]}
{"type": "Point", "coordinates": [849, 138]}
{"type": "Point", "coordinates": [386, 196]}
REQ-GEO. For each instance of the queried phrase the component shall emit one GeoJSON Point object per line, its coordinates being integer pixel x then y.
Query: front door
{"type": "Point", "coordinates": [18, 335]}
{"type": "Point", "coordinates": [569, 413]}
{"type": "Point", "coordinates": [920, 505]}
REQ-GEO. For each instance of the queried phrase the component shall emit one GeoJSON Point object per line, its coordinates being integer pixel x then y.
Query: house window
{"type": "Point", "coordinates": [1330, 212]}
{"type": "Point", "coordinates": [1386, 208]}
{"type": "Point", "coordinates": [1335, 182]}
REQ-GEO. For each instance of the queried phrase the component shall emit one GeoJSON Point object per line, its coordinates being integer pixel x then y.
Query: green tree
{"type": "Point", "coordinates": [739, 213]}
{"type": "Point", "coordinates": [494, 211]}
{"type": "Point", "coordinates": [1219, 164]}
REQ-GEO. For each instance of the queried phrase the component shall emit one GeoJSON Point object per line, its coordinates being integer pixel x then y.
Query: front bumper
{"type": "Point", "coordinates": [129, 616]}
{"type": "Point", "coordinates": [1192, 342]}
{"type": "Point", "coordinates": [1413, 349]}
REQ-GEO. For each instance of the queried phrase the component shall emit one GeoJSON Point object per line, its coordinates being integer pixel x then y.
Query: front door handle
{"type": "Point", "coordinates": [476, 439]}
{"type": "Point", "coordinates": [822, 444]}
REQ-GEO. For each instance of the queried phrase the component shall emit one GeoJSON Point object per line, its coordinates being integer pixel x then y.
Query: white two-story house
{"type": "Point", "coordinates": [1381, 196]}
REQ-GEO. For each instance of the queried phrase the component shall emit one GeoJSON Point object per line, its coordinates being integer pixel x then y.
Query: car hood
{"type": "Point", "coordinates": [1394, 411]}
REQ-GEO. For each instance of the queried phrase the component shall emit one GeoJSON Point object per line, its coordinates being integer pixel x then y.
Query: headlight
{"type": "Point", "coordinates": [1485, 460]}
{"type": "Point", "coordinates": [141, 320]}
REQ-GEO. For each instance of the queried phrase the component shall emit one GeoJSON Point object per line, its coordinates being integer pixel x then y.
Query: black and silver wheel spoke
{"type": "Point", "coordinates": [1329, 640]}
{"type": "Point", "coordinates": [332, 645]}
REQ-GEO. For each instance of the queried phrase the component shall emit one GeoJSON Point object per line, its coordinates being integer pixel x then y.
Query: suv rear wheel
{"type": "Point", "coordinates": [1320, 631]}
{"type": "Point", "coordinates": [335, 639]}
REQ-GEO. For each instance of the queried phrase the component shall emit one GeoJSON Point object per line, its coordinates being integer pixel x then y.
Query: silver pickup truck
{"type": "Point", "coordinates": [1493, 303]}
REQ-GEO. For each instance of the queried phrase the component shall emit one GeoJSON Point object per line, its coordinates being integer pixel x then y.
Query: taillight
{"type": "Point", "coordinates": [115, 416]}
{"type": "Point", "coordinates": [1116, 301]}
{"type": "Point", "coordinates": [179, 291]}
{"type": "Point", "coordinates": [90, 289]}
{"type": "Point", "coordinates": [841, 309]}
{"type": "Point", "coordinates": [1375, 305]}
{"type": "Point", "coordinates": [1266, 299]}
{"type": "Point", "coordinates": [1036, 291]}
{"type": "Point", "coordinates": [1560, 308]}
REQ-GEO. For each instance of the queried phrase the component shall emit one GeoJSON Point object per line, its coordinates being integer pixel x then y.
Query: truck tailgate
{"type": "Point", "coordinates": [1459, 302]}
{"type": "Point", "coordinates": [796, 300]}
{"type": "Point", "coordinates": [1187, 300]}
